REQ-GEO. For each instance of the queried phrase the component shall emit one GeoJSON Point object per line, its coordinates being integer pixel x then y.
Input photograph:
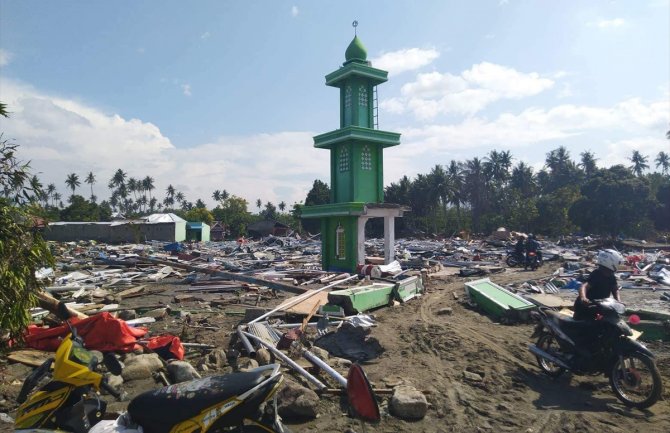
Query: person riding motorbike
{"type": "Point", "coordinates": [600, 284]}
{"type": "Point", "coordinates": [532, 246]}
{"type": "Point", "coordinates": [519, 248]}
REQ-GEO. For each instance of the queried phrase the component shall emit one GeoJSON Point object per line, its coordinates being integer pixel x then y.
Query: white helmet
{"type": "Point", "coordinates": [609, 259]}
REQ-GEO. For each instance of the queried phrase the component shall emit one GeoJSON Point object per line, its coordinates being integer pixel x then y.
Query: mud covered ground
{"type": "Point", "coordinates": [432, 352]}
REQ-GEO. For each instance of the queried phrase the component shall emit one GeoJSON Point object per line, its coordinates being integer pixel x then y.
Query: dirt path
{"type": "Point", "coordinates": [432, 352]}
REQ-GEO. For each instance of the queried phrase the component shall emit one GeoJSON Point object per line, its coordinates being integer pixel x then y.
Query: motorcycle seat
{"type": "Point", "coordinates": [157, 411]}
{"type": "Point", "coordinates": [569, 325]}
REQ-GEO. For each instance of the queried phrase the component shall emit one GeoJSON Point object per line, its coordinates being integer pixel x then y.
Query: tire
{"type": "Point", "coordinates": [545, 343]}
{"type": "Point", "coordinates": [511, 261]}
{"type": "Point", "coordinates": [627, 382]}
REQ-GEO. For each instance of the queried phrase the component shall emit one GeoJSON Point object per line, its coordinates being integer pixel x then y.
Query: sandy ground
{"type": "Point", "coordinates": [431, 352]}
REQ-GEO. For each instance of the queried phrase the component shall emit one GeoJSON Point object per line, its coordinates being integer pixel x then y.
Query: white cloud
{"type": "Point", "coordinates": [534, 131]}
{"type": "Point", "coordinates": [619, 152]}
{"type": "Point", "coordinates": [186, 89]}
{"type": "Point", "coordinates": [565, 91]}
{"type": "Point", "coordinates": [608, 24]}
{"type": "Point", "coordinates": [294, 11]}
{"type": "Point", "coordinates": [205, 35]}
{"type": "Point", "coordinates": [407, 59]}
{"type": "Point", "coordinates": [62, 136]}
{"type": "Point", "coordinates": [474, 89]}
{"type": "Point", "coordinates": [5, 57]}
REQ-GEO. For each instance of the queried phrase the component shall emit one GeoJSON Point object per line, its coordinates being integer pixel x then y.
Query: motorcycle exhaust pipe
{"type": "Point", "coordinates": [551, 358]}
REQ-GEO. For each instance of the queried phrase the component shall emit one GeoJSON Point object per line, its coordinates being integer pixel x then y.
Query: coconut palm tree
{"type": "Point", "coordinates": [216, 195]}
{"type": "Point", "coordinates": [180, 197]}
{"type": "Point", "coordinates": [282, 206]}
{"type": "Point", "coordinates": [663, 161]}
{"type": "Point", "coordinates": [72, 182]}
{"type": "Point", "coordinates": [57, 199]}
{"type": "Point", "coordinates": [224, 195]}
{"type": "Point", "coordinates": [639, 162]}
{"type": "Point", "coordinates": [148, 185]}
{"type": "Point", "coordinates": [51, 189]}
{"type": "Point", "coordinates": [455, 173]}
{"type": "Point", "coordinates": [90, 179]}
{"type": "Point", "coordinates": [588, 163]}
{"type": "Point", "coordinates": [259, 204]}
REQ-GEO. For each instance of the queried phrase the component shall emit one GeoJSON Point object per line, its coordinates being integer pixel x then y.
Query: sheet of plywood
{"type": "Point", "coordinates": [308, 304]}
{"type": "Point", "coordinates": [31, 357]}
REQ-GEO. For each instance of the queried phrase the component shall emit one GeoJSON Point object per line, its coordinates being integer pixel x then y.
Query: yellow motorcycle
{"type": "Point", "coordinates": [226, 403]}
{"type": "Point", "coordinates": [70, 400]}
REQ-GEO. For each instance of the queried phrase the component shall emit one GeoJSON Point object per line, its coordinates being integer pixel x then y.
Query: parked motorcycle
{"type": "Point", "coordinates": [603, 346]}
{"type": "Point", "coordinates": [69, 401]}
{"type": "Point", "coordinates": [236, 402]}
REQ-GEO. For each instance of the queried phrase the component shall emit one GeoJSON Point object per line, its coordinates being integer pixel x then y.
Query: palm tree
{"type": "Point", "coordinates": [148, 185]}
{"type": "Point", "coordinates": [663, 161]}
{"type": "Point", "coordinates": [90, 179]}
{"type": "Point", "coordinates": [133, 186]}
{"type": "Point", "coordinates": [118, 179]}
{"type": "Point", "coordinates": [180, 197]}
{"type": "Point", "coordinates": [216, 195]}
{"type": "Point", "coordinates": [588, 163]}
{"type": "Point", "coordinates": [51, 189]}
{"type": "Point", "coordinates": [259, 204]}
{"type": "Point", "coordinates": [152, 204]}
{"type": "Point", "coordinates": [523, 179]}
{"type": "Point", "coordinates": [170, 191]}
{"type": "Point", "coordinates": [224, 195]}
{"type": "Point", "coordinates": [455, 173]}
{"type": "Point", "coordinates": [57, 198]}
{"type": "Point", "coordinates": [282, 206]}
{"type": "Point", "coordinates": [72, 182]}
{"type": "Point", "coordinates": [639, 163]}
{"type": "Point", "coordinates": [475, 187]}
{"type": "Point", "coordinates": [442, 188]}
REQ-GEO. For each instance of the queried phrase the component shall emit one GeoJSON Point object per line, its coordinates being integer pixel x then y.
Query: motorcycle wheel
{"type": "Point", "coordinates": [636, 381]}
{"type": "Point", "coordinates": [511, 261]}
{"type": "Point", "coordinates": [548, 343]}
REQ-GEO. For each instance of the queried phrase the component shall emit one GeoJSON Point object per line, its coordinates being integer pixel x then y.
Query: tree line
{"type": "Point", "coordinates": [565, 196]}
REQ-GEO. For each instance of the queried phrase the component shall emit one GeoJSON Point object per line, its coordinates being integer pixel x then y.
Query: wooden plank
{"type": "Point", "coordinates": [133, 290]}
{"type": "Point", "coordinates": [30, 357]}
{"type": "Point", "coordinates": [306, 306]}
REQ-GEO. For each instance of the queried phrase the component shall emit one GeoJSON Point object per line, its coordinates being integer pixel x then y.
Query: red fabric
{"type": "Point", "coordinates": [170, 342]}
{"type": "Point", "coordinates": [100, 332]}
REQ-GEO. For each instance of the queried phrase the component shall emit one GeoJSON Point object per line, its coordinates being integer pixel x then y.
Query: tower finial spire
{"type": "Point", "coordinates": [354, 25]}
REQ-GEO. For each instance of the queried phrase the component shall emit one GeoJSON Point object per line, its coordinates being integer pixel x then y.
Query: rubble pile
{"type": "Point", "coordinates": [188, 311]}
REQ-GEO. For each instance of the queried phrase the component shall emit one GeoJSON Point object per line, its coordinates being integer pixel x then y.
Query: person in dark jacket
{"type": "Point", "coordinates": [531, 247]}
{"type": "Point", "coordinates": [519, 249]}
{"type": "Point", "coordinates": [600, 284]}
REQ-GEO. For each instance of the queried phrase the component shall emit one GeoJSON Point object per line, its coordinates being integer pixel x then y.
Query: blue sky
{"type": "Point", "coordinates": [227, 94]}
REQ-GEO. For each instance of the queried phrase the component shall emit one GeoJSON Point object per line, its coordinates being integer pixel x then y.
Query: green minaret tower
{"type": "Point", "coordinates": [356, 166]}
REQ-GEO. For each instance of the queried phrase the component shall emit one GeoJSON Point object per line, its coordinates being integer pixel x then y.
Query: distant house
{"type": "Point", "coordinates": [197, 231]}
{"type": "Point", "coordinates": [157, 227]}
{"type": "Point", "coordinates": [217, 232]}
{"type": "Point", "coordinates": [266, 228]}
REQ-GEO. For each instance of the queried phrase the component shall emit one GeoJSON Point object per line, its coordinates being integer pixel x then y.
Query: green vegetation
{"type": "Point", "coordinates": [22, 249]}
{"type": "Point", "coordinates": [480, 195]}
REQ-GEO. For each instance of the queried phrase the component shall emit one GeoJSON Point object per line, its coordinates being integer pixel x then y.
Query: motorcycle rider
{"type": "Point", "coordinates": [531, 247]}
{"type": "Point", "coordinates": [600, 284]}
{"type": "Point", "coordinates": [519, 249]}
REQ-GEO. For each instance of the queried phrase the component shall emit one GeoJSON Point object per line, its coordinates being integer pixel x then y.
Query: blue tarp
{"type": "Point", "coordinates": [175, 246]}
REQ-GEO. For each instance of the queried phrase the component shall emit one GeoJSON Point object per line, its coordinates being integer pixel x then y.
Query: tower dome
{"type": "Point", "coordinates": [356, 51]}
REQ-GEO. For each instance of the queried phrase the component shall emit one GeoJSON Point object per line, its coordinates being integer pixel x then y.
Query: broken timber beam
{"type": "Point", "coordinates": [236, 277]}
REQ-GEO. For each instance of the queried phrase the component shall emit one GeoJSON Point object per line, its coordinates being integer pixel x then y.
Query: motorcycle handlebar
{"type": "Point", "coordinates": [113, 392]}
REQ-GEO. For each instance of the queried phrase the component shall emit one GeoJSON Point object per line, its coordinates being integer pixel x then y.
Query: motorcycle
{"type": "Point", "coordinates": [236, 402]}
{"type": "Point", "coordinates": [603, 346]}
{"type": "Point", "coordinates": [514, 259]}
{"type": "Point", "coordinates": [533, 260]}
